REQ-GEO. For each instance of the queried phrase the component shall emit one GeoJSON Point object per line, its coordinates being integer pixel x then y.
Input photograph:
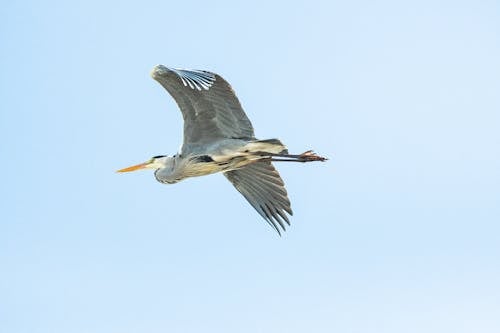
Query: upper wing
{"type": "Point", "coordinates": [208, 104]}
{"type": "Point", "coordinates": [264, 189]}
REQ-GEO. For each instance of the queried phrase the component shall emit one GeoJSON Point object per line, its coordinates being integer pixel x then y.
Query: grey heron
{"type": "Point", "coordinates": [219, 137]}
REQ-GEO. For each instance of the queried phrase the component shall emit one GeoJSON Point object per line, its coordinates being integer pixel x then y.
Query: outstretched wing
{"type": "Point", "coordinates": [264, 189]}
{"type": "Point", "coordinates": [210, 109]}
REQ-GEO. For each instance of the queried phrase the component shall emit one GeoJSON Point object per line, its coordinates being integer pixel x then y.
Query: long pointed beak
{"type": "Point", "coordinates": [134, 167]}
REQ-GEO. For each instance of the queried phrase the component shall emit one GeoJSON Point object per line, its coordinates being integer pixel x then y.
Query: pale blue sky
{"type": "Point", "coordinates": [398, 232]}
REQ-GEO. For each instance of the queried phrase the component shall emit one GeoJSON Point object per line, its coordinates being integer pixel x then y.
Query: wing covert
{"type": "Point", "coordinates": [208, 104]}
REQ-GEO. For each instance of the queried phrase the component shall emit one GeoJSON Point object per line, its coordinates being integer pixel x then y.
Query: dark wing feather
{"type": "Point", "coordinates": [264, 189]}
{"type": "Point", "coordinates": [209, 106]}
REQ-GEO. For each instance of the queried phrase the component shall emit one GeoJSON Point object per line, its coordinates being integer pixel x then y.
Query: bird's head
{"type": "Point", "coordinates": [155, 163]}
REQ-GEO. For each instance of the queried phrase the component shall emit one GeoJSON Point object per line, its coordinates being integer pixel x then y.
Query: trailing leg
{"type": "Point", "coordinates": [308, 156]}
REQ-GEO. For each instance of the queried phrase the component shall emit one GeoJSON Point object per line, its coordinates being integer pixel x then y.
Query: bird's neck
{"type": "Point", "coordinates": [167, 171]}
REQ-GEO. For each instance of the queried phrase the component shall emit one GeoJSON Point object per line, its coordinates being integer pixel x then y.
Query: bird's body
{"type": "Point", "coordinates": [221, 156]}
{"type": "Point", "coordinates": [219, 137]}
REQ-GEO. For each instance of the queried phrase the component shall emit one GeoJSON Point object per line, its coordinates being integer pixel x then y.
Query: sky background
{"type": "Point", "coordinates": [398, 232]}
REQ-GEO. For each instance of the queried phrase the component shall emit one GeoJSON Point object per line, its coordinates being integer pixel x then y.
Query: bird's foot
{"type": "Point", "coordinates": [310, 156]}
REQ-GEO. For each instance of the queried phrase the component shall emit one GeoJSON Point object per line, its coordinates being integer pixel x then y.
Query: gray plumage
{"type": "Point", "coordinates": [264, 189]}
{"type": "Point", "coordinates": [219, 137]}
{"type": "Point", "coordinates": [210, 114]}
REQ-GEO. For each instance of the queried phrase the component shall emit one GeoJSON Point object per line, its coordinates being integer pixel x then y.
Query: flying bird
{"type": "Point", "coordinates": [219, 137]}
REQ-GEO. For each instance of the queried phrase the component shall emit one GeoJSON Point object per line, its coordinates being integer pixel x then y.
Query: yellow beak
{"type": "Point", "coordinates": [134, 167]}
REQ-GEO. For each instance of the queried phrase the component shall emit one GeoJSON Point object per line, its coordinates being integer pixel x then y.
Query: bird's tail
{"type": "Point", "coordinates": [275, 151]}
{"type": "Point", "coordinates": [272, 146]}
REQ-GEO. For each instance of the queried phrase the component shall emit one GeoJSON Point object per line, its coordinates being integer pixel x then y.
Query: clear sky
{"type": "Point", "coordinates": [398, 232]}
